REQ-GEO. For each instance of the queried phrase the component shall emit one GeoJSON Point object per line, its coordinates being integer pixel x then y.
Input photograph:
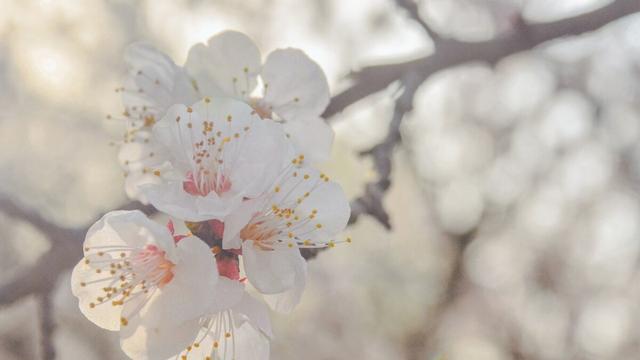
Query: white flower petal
{"type": "Point", "coordinates": [295, 86]}
{"type": "Point", "coordinates": [103, 315]}
{"type": "Point", "coordinates": [143, 341]}
{"type": "Point", "coordinates": [264, 152]}
{"type": "Point", "coordinates": [186, 296]}
{"type": "Point", "coordinates": [255, 312]}
{"type": "Point", "coordinates": [170, 197]}
{"type": "Point", "coordinates": [251, 344]}
{"type": "Point", "coordinates": [287, 301]}
{"type": "Point", "coordinates": [227, 66]}
{"type": "Point", "coordinates": [219, 146]}
{"type": "Point", "coordinates": [236, 220]}
{"type": "Point", "coordinates": [154, 81]}
{"type": "Point", "coordinates": [320, 205]}
{"type": "Point", "coordinates": [227, 294]}
{"type": "Point", "coordinates": [313, 138]}
{"type": "Point", "coordinates": [133, 183]}
{"type": "Point", "coordinates": [115, 230]}
{"type": "Point", "coordinates": [128, 228]}
{"type": "Point", "coordinates": [175, 132]}
{"type": "Point", "coordinates": [272, 272]}
{"type": "Point", "coordinates": [246, 343]}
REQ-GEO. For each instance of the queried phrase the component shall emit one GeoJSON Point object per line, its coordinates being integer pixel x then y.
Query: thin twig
{"type": "Point", "coordinates": [371, 201]}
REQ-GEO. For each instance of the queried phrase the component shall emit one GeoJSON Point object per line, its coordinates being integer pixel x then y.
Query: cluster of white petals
{"type": "Point", "coordinates": [225, 143]}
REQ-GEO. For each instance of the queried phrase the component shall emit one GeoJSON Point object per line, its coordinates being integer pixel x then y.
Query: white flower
{"type": "Point", "coordinates": [220, 154]}
{"type": "Point", "coordinates": [294, 88]}
{"type": "Point", "coordinates": [303, 209]}
{"type": "Point", "coordinates": [153, 84]}
{"type": "Point", "coordinates": [135, 276]}
{"type": "Point", "coordinates": [241, 330]}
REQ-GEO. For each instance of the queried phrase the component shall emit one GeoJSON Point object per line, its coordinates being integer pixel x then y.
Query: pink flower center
{"type": "Point", "coordinates": [151, 264]}
{"type": "Point", "coordinates": [206, 182]}
{"type": "Point", "coordinates": [260, 232]}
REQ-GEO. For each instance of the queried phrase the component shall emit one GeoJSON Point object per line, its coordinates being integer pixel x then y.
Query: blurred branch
{"type": "Point", "coordinates": [65, 251]}
{"type": "Point", "coordinates": [47, 327]}
{"type": "Point", "coordinates": [382, 154]}
{"type": "Point", "coordinates": [412, 8]}
{"type": "Point", "coordinates": [451, 53]}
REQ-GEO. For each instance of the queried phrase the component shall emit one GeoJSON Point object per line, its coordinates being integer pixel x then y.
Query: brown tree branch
{"type": "Point", "coordinates": [372, 79]}
{"type": "Point", "coordinates": [47, 327]}
{"type": "Point", "coordinates": [371, 201]}
{"type": "Point", "coordinates": [449, 53]}
{"type": "Point", "coordinates": [64, 253]}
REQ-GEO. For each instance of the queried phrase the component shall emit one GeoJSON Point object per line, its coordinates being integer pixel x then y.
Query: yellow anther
{"type": "Point", "coordinates": [319, 226]}
{"type": "Point", "coordinates": [189, 110]}
{"type": "Point", "coordinates": [349, 240]}
{"type": "Point", "coordinates": [124, 321]}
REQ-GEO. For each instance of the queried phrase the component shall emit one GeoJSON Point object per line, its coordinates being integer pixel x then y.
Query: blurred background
{"type": "Point", "coordinates": [513, 201]}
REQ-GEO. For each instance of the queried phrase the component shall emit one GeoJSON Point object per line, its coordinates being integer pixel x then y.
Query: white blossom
{"type": "Point", "coordinates": [220, 153]}
{"type": "Point", "coordinates": [293, 91]}
{"type": "Point", "coordinates": [303, 209]}
{"type": "Point", "coordinates": [153, 84]}
{"type": "Point", "coordinates": [240, 330]}
{"type": "Point", "coordinates": [135, 277]}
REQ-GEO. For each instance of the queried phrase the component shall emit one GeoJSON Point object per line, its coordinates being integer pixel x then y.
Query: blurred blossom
{"type": "Point", "coordinates": [589, 158]}
{"type": "Point", "coordinates": [603, 326]}
{"type": "Point", "coordinates": [567, 118]}
{"type": "Point", "coordinates": [497, 262]}
{"type": "Point", "coordinates": [476, 348]}
{"type": "Point", "coordinates": [543, 213]}
{"type": "Point", "coordinates": [620, 125]}
{"type": "Point", "coordinates": [459, 206]}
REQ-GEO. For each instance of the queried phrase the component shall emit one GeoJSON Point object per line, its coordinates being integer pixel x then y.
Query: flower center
{"type": "Point", "coordinates": [151, 262]}
{"type": "Point", "coordinates": [261, 109]}
{"type": "Point", "coordinates": [261, 231]}
{"type": "Point", "coordinates": [206, 182]}
{"type": "Point", "coordinates": [131, 273]}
